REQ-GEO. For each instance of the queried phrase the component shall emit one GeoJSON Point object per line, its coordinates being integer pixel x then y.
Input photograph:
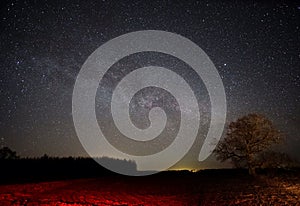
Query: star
{"type": "Point", "coordinates": [255, 48]}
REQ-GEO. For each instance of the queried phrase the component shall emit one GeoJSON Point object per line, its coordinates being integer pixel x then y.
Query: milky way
{"type": "Point", "coordinates": [254, 46]}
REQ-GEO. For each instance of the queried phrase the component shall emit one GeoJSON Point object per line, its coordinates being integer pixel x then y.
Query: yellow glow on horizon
{"type": "Point", "coordinates": [184, 169]}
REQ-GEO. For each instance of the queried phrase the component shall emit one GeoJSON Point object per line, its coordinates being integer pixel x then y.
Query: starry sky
{"type": "Point", "coordinates": [254, 45]}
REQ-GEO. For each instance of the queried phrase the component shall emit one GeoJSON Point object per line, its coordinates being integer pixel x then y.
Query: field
{"type": "Point", "coordinates": [169, 188]}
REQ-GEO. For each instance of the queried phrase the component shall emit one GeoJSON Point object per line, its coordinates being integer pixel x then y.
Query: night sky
{"type": "Point", "coordinates": [254, 46]}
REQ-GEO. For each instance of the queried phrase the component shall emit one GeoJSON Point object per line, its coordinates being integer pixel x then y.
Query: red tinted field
{"type": "Point", "coordinates": [191, 189]}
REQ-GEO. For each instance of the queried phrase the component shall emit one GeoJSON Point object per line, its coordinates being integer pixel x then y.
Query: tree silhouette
{"type": "Point", "coordinates": [246, 140]}
{"type": "Point", "coordinates": [6, 153]}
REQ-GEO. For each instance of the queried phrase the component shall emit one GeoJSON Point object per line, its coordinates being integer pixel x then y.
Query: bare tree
{"type": "Point", "coordinates": [246, 139]}
{"type": "Point", "coordinates": [272, 159]}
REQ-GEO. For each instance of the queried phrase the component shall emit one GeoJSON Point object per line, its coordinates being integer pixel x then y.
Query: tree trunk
{"type": "Point", "coordinates": [252, 171]}
{"type": "Point", "coordinates": [251, 165]}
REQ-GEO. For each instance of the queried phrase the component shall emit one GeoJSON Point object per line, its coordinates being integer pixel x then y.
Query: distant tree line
{"type": "Point", "coordinates": [16, 169]}
{"type": "Point", "coordinates": [6, 153]}
{"type": "Point", "coordinates": [248, 144]}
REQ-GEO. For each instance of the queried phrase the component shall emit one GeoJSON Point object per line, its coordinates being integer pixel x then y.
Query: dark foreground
{"type": "Point", "coordinates": [170, 188]}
